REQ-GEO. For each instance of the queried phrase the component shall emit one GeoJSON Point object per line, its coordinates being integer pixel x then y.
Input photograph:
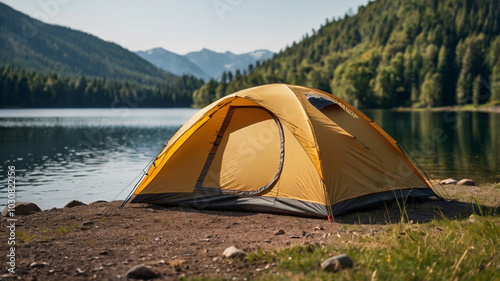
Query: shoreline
{"type": "Point", "coordinates": [102, 241]}
{"type": "Point", "coordinates": [492, 109]}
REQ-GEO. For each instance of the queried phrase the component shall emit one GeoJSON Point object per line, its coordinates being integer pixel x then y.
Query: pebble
{"type": "Point", "coordinates": [472, 218]}
{"type": "Point", "coordinates": [38, 264]}
{"type": "Point", "coordinates": [233, 252]}
{"type": "Point", "coordinates": [468, 182]}
{"type": "Point", "coordinates": [279, 232]}
{"type": "Point", "coordinates": [80, 272]}
{"type": "Point", "coordinates": [141, 272]}
{"type": "Point", "coordinates": [448, 181]}
{"type": "Point", "coordinates": [336, 263]}
{"type": "Point", "coordinates": [74, 203]}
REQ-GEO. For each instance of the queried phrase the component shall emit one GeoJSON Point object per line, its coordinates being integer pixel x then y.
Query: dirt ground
{"type": "Point", "coordinates": [102, 241]}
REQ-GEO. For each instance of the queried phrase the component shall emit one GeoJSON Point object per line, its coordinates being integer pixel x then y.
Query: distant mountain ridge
{"type": "Point", "coordinates": [50, 66]}
{"type": "Point", "coordinates": [36, 46]}
{"type": "Point", "coordinates": [172, 62]}
{"type": "Point", "coordinates": [205, 63]}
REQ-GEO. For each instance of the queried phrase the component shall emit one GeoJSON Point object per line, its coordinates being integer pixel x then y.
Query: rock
{"type": "Point", "coordinates": [80, 272]}
{"type": "Point", "coordinates": [98, 202]}
{"type": "Point", "coordinates": [38, 264]}
{"type": "Point", "coordinates": [336, 263]}
{"type": "Point", "coordinates": [294, 236]}
{"type": "Point", "coordinates": [472, 218]}
{"type": "Point", "coordinates": [448, 181]}
{"type": "Point", "coordinates": [74, 203]}
{"type": "Point", "coordinates": [233, 252]}
{"type": "Point", "coordinates": [142, 272]}
{"type": "Point", "coordinates": [466, 182]}
{"type": "Point", "coordinates": [9, 276]}
{"type": "Point", "coordinates": [87, 223]}
{"type": "Point", "coordinates": [316, 228]}
{"type": "Point", "coordinates": [22, 209]}
{"type": "Point", "coordinates": [279, 232]}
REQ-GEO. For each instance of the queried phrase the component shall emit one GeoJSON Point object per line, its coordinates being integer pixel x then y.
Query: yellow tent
{"type": "Point", "coordinates": [280, 148]}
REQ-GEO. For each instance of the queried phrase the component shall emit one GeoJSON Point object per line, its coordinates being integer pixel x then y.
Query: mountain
{"type": "Point", "coordinates": [214, 63]}
{"type": "Point", "coordinates": [204, 64]}
{"type": "Point", "coordinates": [46, 66]}
{"type": "Point", "coordinates": [419, 53]}
{"type": "Point", "coordinates": [36, 46]}
{"type": "Point", "coordinates": [172, 62]}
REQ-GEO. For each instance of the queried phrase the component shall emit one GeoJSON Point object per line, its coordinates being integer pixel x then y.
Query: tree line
{"type": "Point", "coordinates": [29, 89]}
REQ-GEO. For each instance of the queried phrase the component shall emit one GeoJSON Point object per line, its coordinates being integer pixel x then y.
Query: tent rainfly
{"type": "Point", "coordinates": [283, 149]}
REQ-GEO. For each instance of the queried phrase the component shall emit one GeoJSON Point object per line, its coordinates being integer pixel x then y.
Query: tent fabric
{"type": "Point", "coordinates": [280, 148]}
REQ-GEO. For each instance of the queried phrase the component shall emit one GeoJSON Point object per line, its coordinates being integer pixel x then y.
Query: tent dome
{"type": "Point", "coordinates": [280, 148]}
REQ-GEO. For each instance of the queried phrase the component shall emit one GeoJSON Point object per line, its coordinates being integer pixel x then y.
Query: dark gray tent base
{"type": "Point", "coordinates": [203, 201]}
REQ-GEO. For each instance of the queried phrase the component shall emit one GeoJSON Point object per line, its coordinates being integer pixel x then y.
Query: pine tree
{"type": "Point", "coordinates": [464, 87]}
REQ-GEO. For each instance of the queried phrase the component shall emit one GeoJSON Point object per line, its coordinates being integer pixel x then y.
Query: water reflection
{"type": "Point", "coordinates": [448, 144]}
{"type": "Point", "coordinates": [87, 155]}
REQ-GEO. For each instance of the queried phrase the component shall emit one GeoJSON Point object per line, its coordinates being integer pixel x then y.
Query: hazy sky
{"type": "Point", "coordinates": [189, 25]}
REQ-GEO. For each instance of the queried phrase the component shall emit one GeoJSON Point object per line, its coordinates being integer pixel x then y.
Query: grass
{"type": "Point", "coordinates": [24, 237]}
{"type": "Point", "coordinates": [65, 229]}
{"type": "Point", "coordinates": [461, 242]}
{"type": "Point", "coordinates": [442, 249]}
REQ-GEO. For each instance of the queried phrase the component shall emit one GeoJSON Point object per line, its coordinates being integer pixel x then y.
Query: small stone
{"type": "Point", "coordinates": [294, 236]}
{"type": "Point", "coordinates": [9, 276]}
{"type": "Point", "coordinates": [141, 272]}
{"type": "Point", "coordinates": [472, 218]}
{"type": "Point", "coordinates": [105, 252]}
{"type": "Point", "coordinates": [98, 202]}
{"type": "Point", "coordinates": [80, 272]}
{"type": "Point", "coordinates": [316, 228]}
{"type": "Point", "coordinates": [279, 232]}
{"type": "Point", "coordinates": [448, 181]}
{"type": "Point", "coordinates": [38, 264]}
{"type": "Point", "coordinates": [21, 209]}
{"type": "Point", "coordinates": [468, 182]}
{"type": "Point", "coordinates": [233, 252]}
{"type": "Point", "coordinates": [87, 223]}
{"type": "Point", "coordinates": [74, 203]}
{"type": "Point", "coordinates": [157, 262]}
{"type": "Point", "coordinates": [336, 263]}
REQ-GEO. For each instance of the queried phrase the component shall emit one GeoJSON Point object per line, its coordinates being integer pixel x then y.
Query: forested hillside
{"type": "Point", "coordinates": [43, 65]}
{"type": "Point", "coordinates": [32, 89]}
{"type": "Point", "coordinates": [419, 53]}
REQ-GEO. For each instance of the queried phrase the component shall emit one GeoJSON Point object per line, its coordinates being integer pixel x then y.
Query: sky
{"type": "Point", "coordinates": [183, 26]}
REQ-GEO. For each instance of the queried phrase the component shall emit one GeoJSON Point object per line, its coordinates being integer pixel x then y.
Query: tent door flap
{"type": "Point", "coordinates": [247, 154]}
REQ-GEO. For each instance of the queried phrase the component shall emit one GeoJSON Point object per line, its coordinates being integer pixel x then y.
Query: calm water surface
{"type": "Point", "coordinates": [93, 154]}
{"type": "Point", "coordinates": [83, 154]}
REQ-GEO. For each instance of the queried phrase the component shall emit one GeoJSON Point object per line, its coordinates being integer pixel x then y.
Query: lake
{"type": "Point", "coordinates": [94, 154]}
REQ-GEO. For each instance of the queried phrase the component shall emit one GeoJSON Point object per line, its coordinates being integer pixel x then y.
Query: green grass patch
{"type": "Point", "coordinates": [24, 237]}
{"type": "Point", "coordinates": [65, 229]}
{"type": "Point", "coordinates": [439, 250]}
